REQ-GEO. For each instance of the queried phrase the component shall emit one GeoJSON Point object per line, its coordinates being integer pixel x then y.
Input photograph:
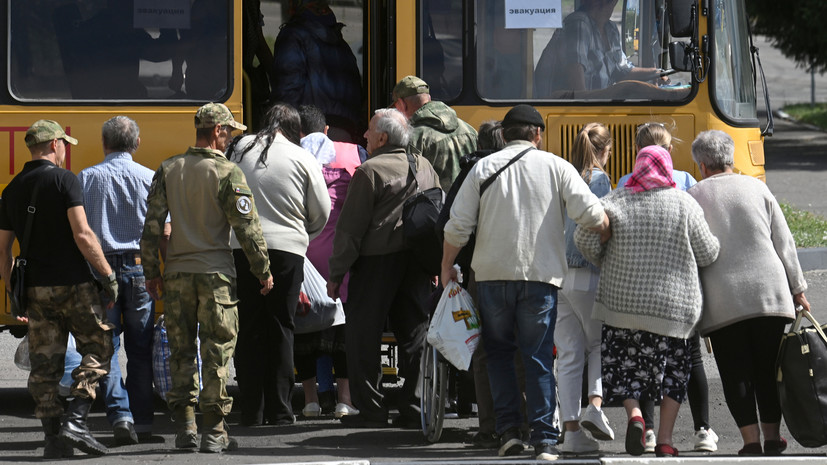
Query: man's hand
{"type": "Point", "coordinates": [155, 287]}
{"type": "Point", "coordinates": [110, 287]}
{"type": "Point", "coordinates": [266, 285]}
{"type": "Point", "coordinates": [801, 300]}
{"type": "Point", "coordinates": [333, 289]}
{"type": "Point", "coordinates": [448, 274]}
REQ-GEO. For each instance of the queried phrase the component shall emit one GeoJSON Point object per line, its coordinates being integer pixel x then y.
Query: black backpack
{"type": "Point", "coordinates": [419, 218]}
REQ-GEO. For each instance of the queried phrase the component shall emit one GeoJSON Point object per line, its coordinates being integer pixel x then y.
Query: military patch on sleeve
{"type": "Point", "coordinates": [244, 205]}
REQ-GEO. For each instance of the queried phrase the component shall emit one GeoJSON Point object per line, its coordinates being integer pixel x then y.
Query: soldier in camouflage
{"type": "Point", "coordinates": [61, 291]}
{"type": "Point", "coordinates": [205, 195]}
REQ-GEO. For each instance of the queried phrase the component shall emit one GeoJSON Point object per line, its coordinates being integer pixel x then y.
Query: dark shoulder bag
{"type": "Point", "coordinates": [17, 294]}
{"type": "Point", "coordinates": [419, 218]}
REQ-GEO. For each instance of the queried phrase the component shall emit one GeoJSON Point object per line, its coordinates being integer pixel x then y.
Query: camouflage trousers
{"type": "Point", "coordinates": [54, 311]}
{"type": "Point", "coordinates": [201, 305]}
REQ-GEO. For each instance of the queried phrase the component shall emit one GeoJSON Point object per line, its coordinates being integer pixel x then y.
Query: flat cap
{"type": "Point", "coordinates": [524, 114]}
{"type": "Point", "coordinates": [213, 114]}
{"type": "Point", "coordinates": [410, 85]}
{"type": "Point", "coordinates": [45, 130]}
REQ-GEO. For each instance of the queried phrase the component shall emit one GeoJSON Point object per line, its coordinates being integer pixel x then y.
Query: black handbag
{"type": "Point", "coordinates": [419, 217]}
{"type": "Point", "coordinates": [802, 381]}
{"type": "Point", "coordinates": [17, 287]}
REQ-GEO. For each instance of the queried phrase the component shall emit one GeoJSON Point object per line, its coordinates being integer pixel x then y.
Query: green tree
{"type": "Point", "coordinates": [795, 27]}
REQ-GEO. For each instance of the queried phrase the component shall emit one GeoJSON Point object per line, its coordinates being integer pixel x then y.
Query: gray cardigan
{"type": "Point", "coordinates": [757, 270]}
{"type": "Point", "coordinates": [649, 267]}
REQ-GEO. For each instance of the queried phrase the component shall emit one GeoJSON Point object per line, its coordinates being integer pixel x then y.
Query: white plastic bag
{"type": "Point", "coordinates": [21, 355]}
{"type": "Point", "coordinates": [316, 311]}
{"type": "Point", "coordinates": [455, 326]}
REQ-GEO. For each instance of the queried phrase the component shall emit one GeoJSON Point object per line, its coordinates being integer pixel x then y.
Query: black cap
{"type": "Point", "coordinates": [523, 114]}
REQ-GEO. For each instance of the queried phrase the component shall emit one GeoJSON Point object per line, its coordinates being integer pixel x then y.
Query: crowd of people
{"type": "Point", "coordinates": [624, 281]}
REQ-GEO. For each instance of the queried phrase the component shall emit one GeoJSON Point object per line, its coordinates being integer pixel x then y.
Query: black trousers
{"type": "Point", "coordinates": [745, 353]}
{"type": "Point", "coordinates": [385, 287]}
{"type": "Point", "coordinates": [264, 351]}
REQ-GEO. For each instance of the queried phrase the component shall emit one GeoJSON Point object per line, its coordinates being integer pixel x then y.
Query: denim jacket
{"type": "Point", "coordinates": [600, 185]}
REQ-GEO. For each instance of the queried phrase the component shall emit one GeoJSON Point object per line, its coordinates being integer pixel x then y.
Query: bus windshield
{"type": "Point", "coordinates": [115, 50]}
{"type": "Point", "coordinates": [599, 51]}
{"type": "Point", "coordinates": [732, 74]}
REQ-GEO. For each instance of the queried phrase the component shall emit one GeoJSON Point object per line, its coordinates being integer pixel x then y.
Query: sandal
{"type": "Point", "coordinates": [775, 447]}
{"type": "Point", "coordinates": [752, 448]}
{"type": "Point", "coordinates": [665, 450]}
{"type": "Point", "coordinates": [635, 436]}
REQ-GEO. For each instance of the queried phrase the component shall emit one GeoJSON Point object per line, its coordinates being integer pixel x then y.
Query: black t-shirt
{"type": "Point", "coordinates": [53, 257]}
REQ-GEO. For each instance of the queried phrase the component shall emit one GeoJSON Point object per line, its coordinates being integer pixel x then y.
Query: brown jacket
{"type": "Point", "coordinates": [371, 219]}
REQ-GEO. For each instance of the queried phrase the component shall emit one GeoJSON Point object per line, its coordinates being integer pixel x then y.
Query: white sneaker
{"type": "Point", "coordinates": [312, 409]}
{"type": "Point", "coordinates": [706, 440]}
{"type": "Point", "coordinates": [651, 441]}
{"type": "Point", "coordinates": [578, 442]}
{"type": "Point", "coordinates": [343, 409]}
{"type": "Point", "coordinates": [596, 423]}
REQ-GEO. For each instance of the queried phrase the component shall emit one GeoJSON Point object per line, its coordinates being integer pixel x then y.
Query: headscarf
{"type": "Point", "coordinates": [320, 146]}
{"type": "Point", "coordinates": [653, 169]}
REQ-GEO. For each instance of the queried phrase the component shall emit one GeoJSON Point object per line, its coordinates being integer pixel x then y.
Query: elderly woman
{"type": "Point", "coordinates": [749, 292]}
{"type": "Point", "coordinates": [649, 295]}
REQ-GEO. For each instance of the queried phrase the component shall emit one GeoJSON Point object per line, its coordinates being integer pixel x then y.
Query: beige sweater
{"type": "Point", "coordinates": [520, 219]}
{"type": "Point", "coordinates": [757, 270]}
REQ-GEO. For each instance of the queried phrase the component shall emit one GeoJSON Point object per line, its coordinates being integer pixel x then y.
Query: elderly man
{"type": "Point", "coordinates": [62, 295]}
{"type": "Point", "coordinates": [114, 193]}
{"type": "Point", "coordinates": [206, 195]}
{"type": "Point", "coordinates": [383, 274]}
{"type": "Point", "coordinates": [441, 137]}
{"type": "Point", "coordinates": [517, 280]}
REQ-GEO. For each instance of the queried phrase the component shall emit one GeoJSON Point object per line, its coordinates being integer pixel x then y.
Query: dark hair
{"type": "Point", "coordinates": [281, 117]}
{"type": "Point", "coordinates": [490, 136]}
{"type": "Point", "coordinates": [203, 133]}
{"type": "Point", "coordinates": [520, 132]}
{"type": "Point", "coordinates": [313, 119]}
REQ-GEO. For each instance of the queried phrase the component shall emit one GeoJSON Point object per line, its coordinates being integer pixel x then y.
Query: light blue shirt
{"type": "Point", "coordinates": [114, 196]}
{"type": "Point", "coordinates": [683, 180]}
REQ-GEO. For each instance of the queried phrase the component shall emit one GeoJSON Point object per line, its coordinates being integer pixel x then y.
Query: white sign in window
{"type": "Point", "coordinates": [161, 14]}
{"type": "Point", "coordinates": [533, 14]}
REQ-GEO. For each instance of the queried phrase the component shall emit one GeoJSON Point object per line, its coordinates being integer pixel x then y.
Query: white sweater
{"type": "Point", "coordinates": [757, 270]}
{"type": "Point", "coordinates": [290, 193]}
{"type": "Point", "coordinates": [649, 267]}
{"type": "Point", "coordinates": [520, 219]}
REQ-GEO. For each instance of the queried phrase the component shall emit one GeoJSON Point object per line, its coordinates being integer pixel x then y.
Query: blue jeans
{"type": "Point", "coordinates": [133, 315]}
{"type": "Point", "coordinates": [521, 314]}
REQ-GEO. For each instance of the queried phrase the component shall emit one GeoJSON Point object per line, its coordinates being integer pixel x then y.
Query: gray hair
{"type": "Point", "coordinates": [120, 134]}
{"type": "Point", "coordinates": [393, 123]}
{"type": "Point", "coordinates": [715, 149]}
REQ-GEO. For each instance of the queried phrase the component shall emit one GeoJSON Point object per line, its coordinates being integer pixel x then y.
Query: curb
{"type": "Point", "coordinates": [813, 259]}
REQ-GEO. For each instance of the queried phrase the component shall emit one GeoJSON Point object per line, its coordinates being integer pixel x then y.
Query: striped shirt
{"type": "Point", "coordinates": [114, 196]}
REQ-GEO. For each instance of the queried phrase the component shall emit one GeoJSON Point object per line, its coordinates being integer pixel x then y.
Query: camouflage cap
{"type": "Point", "coordinates": [45, 130]}
{"type": "Point", "coordinates": [408, 86]}
{"type": "Point", "coordinates": [213, 114]}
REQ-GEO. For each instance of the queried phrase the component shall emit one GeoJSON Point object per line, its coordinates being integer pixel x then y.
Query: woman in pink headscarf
{"type": "Point", "coordinates": [649, 296]}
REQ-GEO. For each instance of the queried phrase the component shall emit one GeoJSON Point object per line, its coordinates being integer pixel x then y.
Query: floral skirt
{"type": "Point", "coordinates": [644, 366]}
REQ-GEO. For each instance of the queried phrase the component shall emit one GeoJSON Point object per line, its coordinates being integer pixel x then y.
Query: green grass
{"type": "Point", "coordinates": [809, 229]}
{"type": "Point", "coordinates": [816, 115]}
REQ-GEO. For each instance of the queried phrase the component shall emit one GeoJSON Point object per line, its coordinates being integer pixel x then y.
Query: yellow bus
{"type": "Point", "coordinates": [81, 62]}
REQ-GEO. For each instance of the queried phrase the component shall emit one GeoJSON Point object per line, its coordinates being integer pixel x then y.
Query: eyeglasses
{"type": "Point", "coordinates": [646, 125]}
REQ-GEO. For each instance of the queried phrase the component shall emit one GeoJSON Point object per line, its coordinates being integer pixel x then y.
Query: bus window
{"type": "Point", "coordinates": [732, 79]}
{"type": "Point", "coordinates": [441, 47]}
{"type": "Point", "coordinates": [103, 50]}
{"type": "Point", "coordinates": [604, 51]}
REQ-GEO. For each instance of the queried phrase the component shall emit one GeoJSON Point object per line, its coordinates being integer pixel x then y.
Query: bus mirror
{"type": "Point", "coordinates": [681, 15]}
{"type": "Point", "coordinates": [678, 57]}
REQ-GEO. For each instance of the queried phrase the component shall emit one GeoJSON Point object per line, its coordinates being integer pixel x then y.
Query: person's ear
{"type": "Point", "coordinates": [383, 138]}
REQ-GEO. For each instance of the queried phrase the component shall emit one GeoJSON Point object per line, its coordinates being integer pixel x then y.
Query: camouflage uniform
{"type": "Point", "coordinates": [53, 312]}
{"type": "Point", "coordinates": [205, 194]}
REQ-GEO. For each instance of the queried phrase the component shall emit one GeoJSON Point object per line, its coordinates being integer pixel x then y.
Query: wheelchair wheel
{"type": "Point", "coordinates": [433, 376]}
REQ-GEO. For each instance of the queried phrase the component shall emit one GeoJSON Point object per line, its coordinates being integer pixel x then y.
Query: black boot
{"type": "Point", "coordinates": [74, 430]}
{"type": "Point", "coordinates": [55, 448]}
